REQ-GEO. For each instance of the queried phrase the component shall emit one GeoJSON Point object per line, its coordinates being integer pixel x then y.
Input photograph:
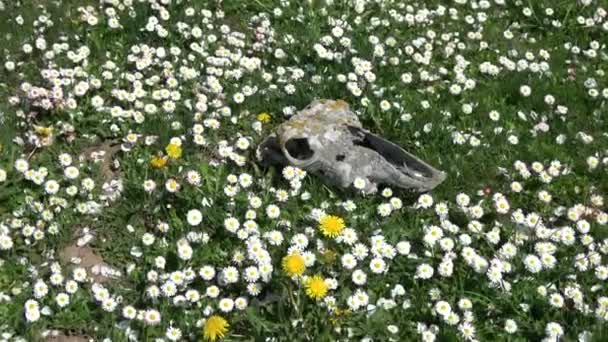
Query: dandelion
{"type": "Point", "coordinates": [43, 131]}
{"type": "Point", "coordinates": [215, 327]}
{"type": "Point", "coordinates": [174, 151]}
{"type": "Point", "coordinates": [158, 162]}
{"type": "Point", "coordinates": [331, 226]}
{"type": "Point", "coordinates": [316, 287]}
{"type": "Point", "coordinates": [264, 117]}
{"type": "Point", "coordinates": [294, 265]}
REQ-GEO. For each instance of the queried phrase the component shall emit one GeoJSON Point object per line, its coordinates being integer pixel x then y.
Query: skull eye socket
{"type": "Point", "coordinates": [298, 148]}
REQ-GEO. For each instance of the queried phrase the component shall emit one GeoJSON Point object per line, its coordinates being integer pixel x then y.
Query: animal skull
{"type": "Point", "coordinates": [326, 139]}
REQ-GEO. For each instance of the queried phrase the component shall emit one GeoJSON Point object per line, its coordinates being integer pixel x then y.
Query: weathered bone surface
{"type": "Point", "coordinates": [326, 139]}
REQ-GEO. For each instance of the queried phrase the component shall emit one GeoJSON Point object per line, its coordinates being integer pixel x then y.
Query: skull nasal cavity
{"type": "Point", "coordinates": [298, 148]}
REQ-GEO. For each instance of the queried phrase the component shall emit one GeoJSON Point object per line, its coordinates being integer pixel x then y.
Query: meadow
{"type": "Point", "coordinates": [133, 206]}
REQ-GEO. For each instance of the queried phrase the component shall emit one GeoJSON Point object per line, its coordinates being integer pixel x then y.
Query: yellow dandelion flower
{"type": "Point", "coordinates": [174, 151]}
{"type": "Point", "coordinates": [158, 162]}
{"type": "Point", "coordinates": [264, 117]}
{"type": "Point", "coordinates": [331, 225]}
{"type": "Point", "coordinates": [43, 131]}
{"type": "Point", "coordinates": [316, 288]}
{"type": "Point", "coordinates": [215, 327]}
{"type": "Point", "coordinates": [293, 265]}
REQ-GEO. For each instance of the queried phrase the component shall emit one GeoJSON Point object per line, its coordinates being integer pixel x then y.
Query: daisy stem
{"type": "Point", "coordinates": [296, 305]}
